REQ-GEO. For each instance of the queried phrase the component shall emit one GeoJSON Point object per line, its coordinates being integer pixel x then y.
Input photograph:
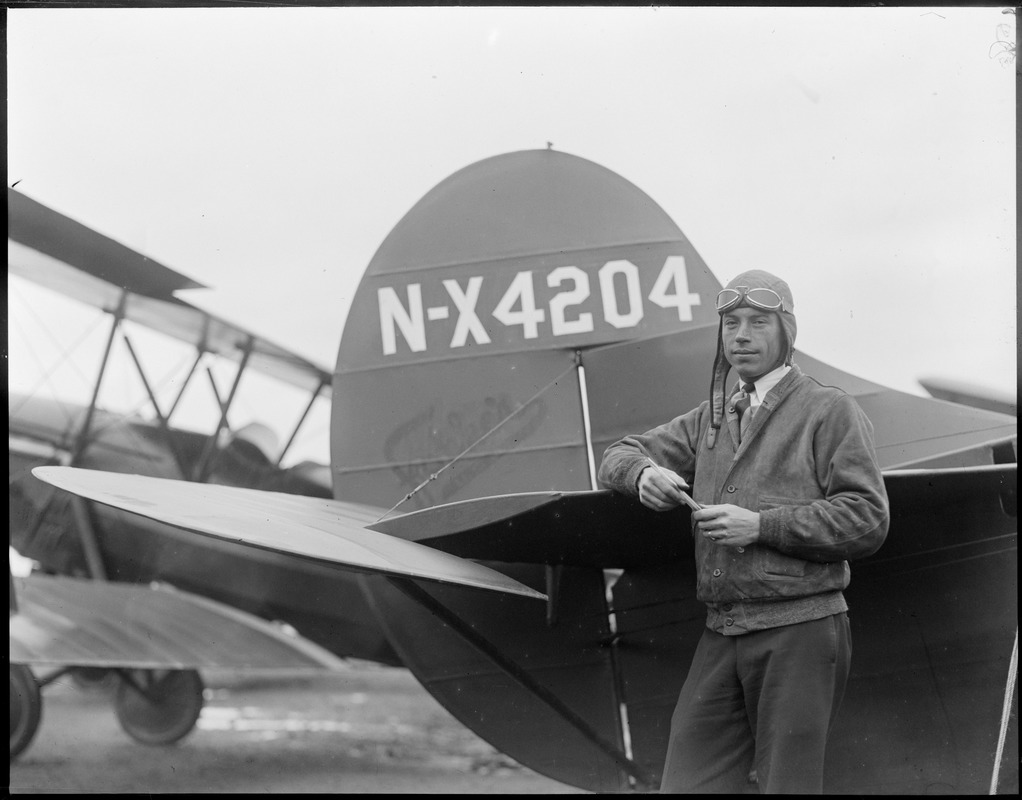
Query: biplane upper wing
{"type": "Point", "coordinates": [86, 623]}
{"type": "Point", "coordinates": [322, 530]}
{"type": "Point", "coordinates": [54, 251]}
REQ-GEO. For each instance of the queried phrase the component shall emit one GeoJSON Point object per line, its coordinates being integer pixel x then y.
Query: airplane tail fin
{"type": "Point", "coordinates": [470, 335]}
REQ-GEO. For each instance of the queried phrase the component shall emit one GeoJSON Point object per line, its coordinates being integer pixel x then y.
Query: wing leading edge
{"type": "Point", "coordinates": [322, 530]}
{"type": "Point", "coordinates": [64, 256]}
{"type": "Point", "coordinates": [576, 528]}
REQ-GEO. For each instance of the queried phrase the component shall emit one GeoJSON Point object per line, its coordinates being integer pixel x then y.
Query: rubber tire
{"type": "Point", "coordinates": [167, 712]}
{"type": "Point", "coordinates": [26, 708]}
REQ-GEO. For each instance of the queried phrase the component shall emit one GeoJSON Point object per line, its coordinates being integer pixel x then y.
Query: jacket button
{"type": "Point", "coordinates": [728, 607]}
{"type": "Point", "coordinates": [716, 573]}
{"type": "Point", "coordinates": [741, 549]}
{"type": "Point", "coordinates": [729, 622]}
{"type": "Point", "coordinates": [731, 489]}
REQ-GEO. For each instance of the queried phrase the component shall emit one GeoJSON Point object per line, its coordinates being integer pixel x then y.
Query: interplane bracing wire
{"type": "Point", "coordinates": [64, 351]}
{"type": "Point", "coordinates": [31, 329]}
{"type": "Point", "coordinates": [169, 375]}
{"type": "Point", "coordinates": [464, 452]}
{"type": "Point", "coordinates": [65, 358]}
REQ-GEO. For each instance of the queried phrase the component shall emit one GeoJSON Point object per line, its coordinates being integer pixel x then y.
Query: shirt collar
{"type": "Point", "coordinates": [766, 383]}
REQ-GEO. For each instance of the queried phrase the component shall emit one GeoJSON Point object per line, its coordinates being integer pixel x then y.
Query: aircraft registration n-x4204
{"type": "Point", "coordinates": [528, 311]}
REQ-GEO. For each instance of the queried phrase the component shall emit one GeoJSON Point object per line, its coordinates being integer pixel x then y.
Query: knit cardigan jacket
{"type": "Point", "coordinates": [808, 465]}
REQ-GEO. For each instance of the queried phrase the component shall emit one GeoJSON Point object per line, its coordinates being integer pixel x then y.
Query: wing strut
{"type": "Point", "coordinates": [301, 421]}
{"type": "Point", "coordinates": [83, 434]}
{"type": "Point", "coordinates": [87, 535]}
{"type": "Point", "coordinates": [187, 382]}
{"type": "Point", "coordinates": [83, 520]}
{"type": "Point", "coordinates": [201, 468]}
{"type": "Point", "coordinates": [520, 676]}
{"type": "Point", "coordinates": [610, 577]}
{"type": "Point", "coordinates": [160, 418]}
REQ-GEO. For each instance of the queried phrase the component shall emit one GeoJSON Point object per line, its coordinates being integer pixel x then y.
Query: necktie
{"type": "Point", "coordinates": [742, 402]}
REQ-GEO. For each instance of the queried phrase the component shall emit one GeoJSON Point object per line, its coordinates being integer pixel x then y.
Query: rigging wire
{"type": "Point", "coordinates": [1009, 692]}
{"type": "Point", "coordinates": [576, 361]}
{"type": "Point", "coordinates": [492, 430]}
{"type": "Point", "coordinates": [64, 351]}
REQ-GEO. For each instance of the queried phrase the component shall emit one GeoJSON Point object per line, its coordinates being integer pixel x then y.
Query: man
{"type": "Point", "coordinates": [789, 490]}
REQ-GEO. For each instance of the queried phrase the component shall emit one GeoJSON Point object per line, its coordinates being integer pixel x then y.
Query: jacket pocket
{"type": "Point", "coordinates": [771, 564]}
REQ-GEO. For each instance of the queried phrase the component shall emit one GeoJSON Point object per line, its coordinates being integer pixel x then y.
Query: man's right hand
{"type": "Point", "coordinates": [660, 489]}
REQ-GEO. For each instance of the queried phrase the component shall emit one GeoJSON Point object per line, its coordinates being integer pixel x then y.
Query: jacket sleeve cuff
{"type": "Point", "coordinates": [637, 470]}
{"type": "Point", "coordinates": [772, 527]}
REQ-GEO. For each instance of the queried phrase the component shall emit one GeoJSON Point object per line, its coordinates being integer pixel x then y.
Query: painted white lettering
{"type": "Point", "coordinates": [468, 322]}
{"type": "Point", "coordinates": [409, 320]}
{"type": "Point", "coordinates": [608, 290]}
{"type": "Point", "coordinates": [560, 301]}
{"type": "Point", "coordinates": [674, 274]}
{"type": "Point", "coordinates": [437, 312]}
{"type": "Point", "coordinates": [528, 316]}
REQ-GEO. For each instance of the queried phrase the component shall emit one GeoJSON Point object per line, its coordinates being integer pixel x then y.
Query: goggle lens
{"type": "Point", "coordinates": [727, 298]}
{"type": "Point", "coordinates": [766, 299]}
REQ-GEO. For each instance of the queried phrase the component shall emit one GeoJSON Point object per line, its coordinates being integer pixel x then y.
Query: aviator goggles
{"type": "Point", "coordinates": [765, 299]}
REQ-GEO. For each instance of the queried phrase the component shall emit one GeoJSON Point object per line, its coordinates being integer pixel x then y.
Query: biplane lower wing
{"type": "Point", "coordinates": [72, 621]}
{"type": "Point", "coordinates": [154, 638]}
{"type": "Point", "coordinates": [313, 528]}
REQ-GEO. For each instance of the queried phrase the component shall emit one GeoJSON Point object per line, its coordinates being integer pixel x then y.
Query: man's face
{"type": "Point", "coordinates": [753, 341]}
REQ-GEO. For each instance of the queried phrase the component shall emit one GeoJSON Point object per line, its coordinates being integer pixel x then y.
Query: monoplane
{"type": "Point", "coordinates": [528, 311]}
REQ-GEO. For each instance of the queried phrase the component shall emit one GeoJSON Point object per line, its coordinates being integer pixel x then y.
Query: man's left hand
{"type": "Point", "coordinates": [729, 525]}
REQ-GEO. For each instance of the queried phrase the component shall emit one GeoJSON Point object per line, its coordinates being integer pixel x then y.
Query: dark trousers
{"type": "Point", "coordinates": [760, 701]}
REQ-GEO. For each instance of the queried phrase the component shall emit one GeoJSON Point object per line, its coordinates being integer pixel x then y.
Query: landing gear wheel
{"type": "Point", "coordinates": [158, 706]}
{"type": "Point", "coordinates": [26, 708]}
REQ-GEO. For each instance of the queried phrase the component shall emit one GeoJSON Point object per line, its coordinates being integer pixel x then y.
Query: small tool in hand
{"type": "Point", "coordinates": [684, 496]}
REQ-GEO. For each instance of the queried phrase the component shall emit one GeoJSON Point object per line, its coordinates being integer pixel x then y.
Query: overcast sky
{"type": "Point", "coordinates": [866, 155]}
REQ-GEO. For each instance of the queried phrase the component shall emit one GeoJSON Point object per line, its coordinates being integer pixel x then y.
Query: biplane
{"type": "Point", "coordinates": [529, 310]}
{"type": "Point", "coordinates": [70, 617]}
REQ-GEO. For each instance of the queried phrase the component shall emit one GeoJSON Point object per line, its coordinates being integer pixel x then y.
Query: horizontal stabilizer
{"type": "Point", "coordinates": [608, 530]}
{"type": "Point", "coordinates": [586, 528]}
{"type": "Point", "coordinates": [908, 489]}
{"type": "Point", "coordinates": [76, 622]}
{"type": "Point", "coordinates": [317, 529]}
{"type": "Point", "coordinates": [970, 394]}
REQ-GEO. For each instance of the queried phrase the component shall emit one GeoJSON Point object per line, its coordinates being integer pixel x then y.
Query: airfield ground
{"type": "Point", "coordinates": [367, 729]}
